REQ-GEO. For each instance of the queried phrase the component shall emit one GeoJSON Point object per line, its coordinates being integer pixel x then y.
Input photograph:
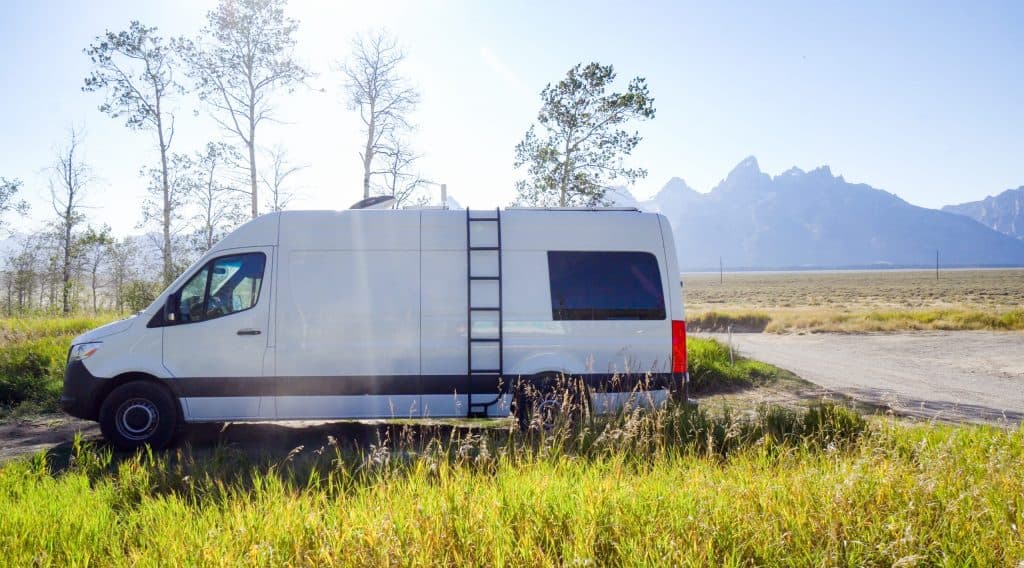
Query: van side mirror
{"type": "Point", "coordinates": [171, 309]}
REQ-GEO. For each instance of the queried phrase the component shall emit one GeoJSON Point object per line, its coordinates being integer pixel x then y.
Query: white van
{"type": "Point", "coordinates": [392, 313]}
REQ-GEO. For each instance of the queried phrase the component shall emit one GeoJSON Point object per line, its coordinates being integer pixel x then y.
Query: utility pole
{"type": "Point", "coordinates": [721, 278]}
{"type": "Point", "coordinates": [936, 264]}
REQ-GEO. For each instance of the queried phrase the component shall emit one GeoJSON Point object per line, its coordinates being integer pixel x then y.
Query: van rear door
{"type": "Point", "coordinates": [215, 346]}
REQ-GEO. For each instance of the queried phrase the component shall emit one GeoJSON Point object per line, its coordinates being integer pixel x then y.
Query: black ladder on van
{"type": "Point", "coordinates": [480, 311]}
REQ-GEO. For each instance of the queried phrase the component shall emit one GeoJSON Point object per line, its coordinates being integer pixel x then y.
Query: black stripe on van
{"type": "Point", "coordinates": [199, 387]}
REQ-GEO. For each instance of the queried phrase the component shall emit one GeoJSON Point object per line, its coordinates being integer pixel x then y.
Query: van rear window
{"type": "Point", "coordinates": [612, 285]}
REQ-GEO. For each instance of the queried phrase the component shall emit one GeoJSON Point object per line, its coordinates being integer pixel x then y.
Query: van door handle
{"type": "Point", "coordinates": [249, 332]}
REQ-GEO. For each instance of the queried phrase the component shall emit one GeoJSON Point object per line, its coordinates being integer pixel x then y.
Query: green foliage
{"type": "Point", "coordinates": [33, 352]}
{"type": "Point", "coordinates": [815, 489]}
{"type": "Point", "coordinates": [711, 367]}
{"type": "Point", "coordinates": [32, 370]}
{"type": "Point", "coordinates": [9, 189]}
{"type": "Point", "coordinates": [139, 294]}
{"type": "Point", "coordinates": [135, 67]}
{"type": "Point", "coordinates": [581, 148]}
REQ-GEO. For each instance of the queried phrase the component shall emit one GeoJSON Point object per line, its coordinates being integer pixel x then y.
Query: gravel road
{"type": "Point", "coordinates": [957, 376]}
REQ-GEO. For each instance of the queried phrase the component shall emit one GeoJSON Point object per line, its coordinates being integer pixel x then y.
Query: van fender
{"type": "Point", "coordinates": [546, 364]}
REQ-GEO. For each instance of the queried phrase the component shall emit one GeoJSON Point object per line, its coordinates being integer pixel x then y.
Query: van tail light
{"type": "Point", "coordinates": [678, 346]}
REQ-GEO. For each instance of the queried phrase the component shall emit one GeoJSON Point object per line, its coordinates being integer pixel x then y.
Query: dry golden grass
{"type": "Point", "coordinates": [856, 301]}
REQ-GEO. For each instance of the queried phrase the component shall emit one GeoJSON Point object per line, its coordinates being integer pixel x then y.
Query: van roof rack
{"type": "Point", "coordinates": [375, 202]}
{"type": "Point", "coordinates": [576, 208]}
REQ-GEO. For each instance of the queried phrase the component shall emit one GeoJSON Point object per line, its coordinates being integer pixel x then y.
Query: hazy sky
{"type": "Point", "coordinates": [922, 98]}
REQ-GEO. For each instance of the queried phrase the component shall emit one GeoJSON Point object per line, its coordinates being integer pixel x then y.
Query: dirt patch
{"type": "Point", "coordinates": [956, 376]}
{"type": "Point", "coordinates": [26, 436]}
{"type": "Point", "coordinates": [55, 434]}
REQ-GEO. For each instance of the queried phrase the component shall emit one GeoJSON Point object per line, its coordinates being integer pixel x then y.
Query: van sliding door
{"type": "Point", "coordinates": [348, 316]}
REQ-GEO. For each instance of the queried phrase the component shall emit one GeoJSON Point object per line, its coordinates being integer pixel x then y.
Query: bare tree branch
{"type": "Point", "coordinates": [276, 178]}
{"type": "Point", "coordinates": [69, 178]}
{"type": "Point", "coordinates": [379, 92]}
{"type": "Point", "coordinates": [243, 56]}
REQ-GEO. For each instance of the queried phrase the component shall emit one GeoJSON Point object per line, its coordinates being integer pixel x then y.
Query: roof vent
{"type": "Point", "coordinates": [375, 202]}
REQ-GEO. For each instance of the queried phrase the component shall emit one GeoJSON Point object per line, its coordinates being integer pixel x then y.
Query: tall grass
{"type": "Point", "coordinates": [33, 352]}
{"type": "Point", "coordinates": [671, 487]}
{"type": "Point", "coordinates": [713, 368]}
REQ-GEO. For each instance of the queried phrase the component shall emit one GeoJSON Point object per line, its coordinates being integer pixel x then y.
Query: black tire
{"type": "Point", "coordinates": [549, 399]}
{"type": "Point", "coordinates": [137, 414]}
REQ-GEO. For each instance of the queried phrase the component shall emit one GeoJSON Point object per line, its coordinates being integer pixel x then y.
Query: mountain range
{"type": "Point", "coordinates": [1003, 212]}
{"type": "Point", "coordinates": [814, 219]}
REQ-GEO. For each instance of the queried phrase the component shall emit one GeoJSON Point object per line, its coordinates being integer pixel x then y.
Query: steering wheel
{"type": "Point", "coordinates": [216, 307]}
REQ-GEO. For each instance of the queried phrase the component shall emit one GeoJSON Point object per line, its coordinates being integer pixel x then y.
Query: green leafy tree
{"type": "Point", "coordinates": [9, 189]}
{"type": "Point", "coordinates": [579, 145]}
{"type": "Point", "coordinates": [244, 55]}
{"type": "Point", "coordinates": [94, 248]}
{"type": "Point", "coordinates": [122, 260]}
{"type": "Point", "coordinates": [140, 293]}
{"type": "Point", "coordinates": [136, 68]}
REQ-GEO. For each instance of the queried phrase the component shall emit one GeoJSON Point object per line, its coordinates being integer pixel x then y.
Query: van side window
{"type": "Point", "coordinates": [224, 286]}
{"type": "Point", "coordinates": [613, 285]}
{"type": "Point", "coordinates": [193, 294]}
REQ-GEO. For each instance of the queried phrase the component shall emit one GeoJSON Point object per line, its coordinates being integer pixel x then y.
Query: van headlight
{"type": "Point", "coordinates": [83, 351]}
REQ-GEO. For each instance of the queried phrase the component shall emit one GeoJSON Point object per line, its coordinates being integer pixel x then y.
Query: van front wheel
{"type": "Point", "coordinates": [137, 414]}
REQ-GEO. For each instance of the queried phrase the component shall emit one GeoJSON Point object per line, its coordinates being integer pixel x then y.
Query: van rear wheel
{"type": "Point", "coordinates": [548, 401]}
{"type": "Point", "coordinates": [137, 414]}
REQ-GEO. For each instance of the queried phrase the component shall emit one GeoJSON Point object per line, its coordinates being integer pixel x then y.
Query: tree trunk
{"type": "Point", "coordinates": [66, 269]}
{"type": "Point", "coordinates": [371, 129]}
{"type": "Point", "coordinates": [252, 163]}
{"type": "Point", "coordinates": [564, 189]}
{"type": "Point", "coordinates": [94, 310]}
{"type": "Point", "coordinates": [168, 260]}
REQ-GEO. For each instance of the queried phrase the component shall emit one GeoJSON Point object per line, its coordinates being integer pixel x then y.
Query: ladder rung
{"type": "Point", "coordinates": [485, 371]}
{"type": "Point", "coordinates": [485, 339]}
{"type": "Point", "coordinates": [486, 309]}
{"type": "Point", "coordinates": [485, 277]}
{"type": "Point", "coordinates": [483, 248]}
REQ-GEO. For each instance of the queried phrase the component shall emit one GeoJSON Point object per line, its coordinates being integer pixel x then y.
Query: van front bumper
{"type": "Point", "coordinates": [80, 391]}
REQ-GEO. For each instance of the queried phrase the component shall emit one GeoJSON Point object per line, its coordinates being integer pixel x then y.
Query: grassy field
{"type": "Point", "coordinates": [674, 487]}
{"type": "Point", "coordinates": [677, 486]}
{"type": "Point", "coordinates": [854, 301]}
{"type": "Point", "coordinates": [33, 353]}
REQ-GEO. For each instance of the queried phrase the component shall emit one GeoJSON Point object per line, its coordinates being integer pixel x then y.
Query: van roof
{"type": "Point", "coordinates": [438, 207]}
